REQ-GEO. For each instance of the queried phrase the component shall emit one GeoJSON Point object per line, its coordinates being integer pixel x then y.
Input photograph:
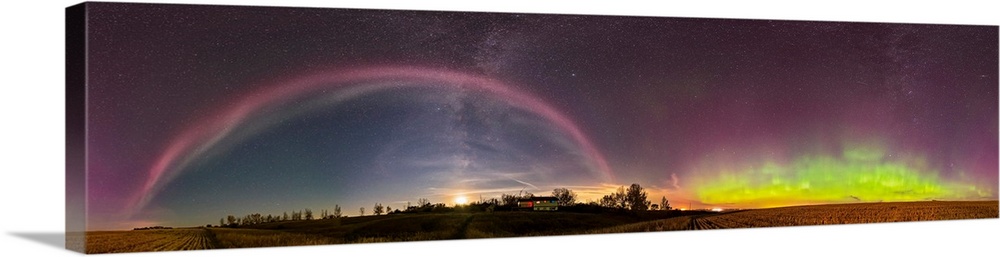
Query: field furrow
{"type": "Point", "coordinates": [148, 240]}
{"type": "Point", "coordinates": [394, 228]}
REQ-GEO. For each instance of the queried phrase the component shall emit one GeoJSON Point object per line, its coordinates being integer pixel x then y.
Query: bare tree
{"type": "Point", "coordinates": [423, 202]}
{"type": "Point", "coordinates": [566, 197]}
{"type": "Point", "coordinates": [362, 211]}
{"type": "Point", "coordinates": [336, 211]}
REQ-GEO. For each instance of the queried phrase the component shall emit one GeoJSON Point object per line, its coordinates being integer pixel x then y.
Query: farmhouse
{"type": "Point", "coordinates": [543, 203]}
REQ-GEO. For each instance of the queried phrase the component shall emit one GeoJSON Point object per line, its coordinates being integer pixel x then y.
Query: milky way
{"type": "Point", "coordinates": [198, 112]}
{"type": "Point", "coordinates": [205, 134]}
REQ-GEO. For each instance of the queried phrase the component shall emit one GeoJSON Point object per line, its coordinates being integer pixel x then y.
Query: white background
{"type": "Point", "coordinates": [32, 143]}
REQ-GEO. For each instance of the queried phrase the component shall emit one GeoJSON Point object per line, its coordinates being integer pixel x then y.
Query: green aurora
{"type": "Point", "coordinates": [860, 173]}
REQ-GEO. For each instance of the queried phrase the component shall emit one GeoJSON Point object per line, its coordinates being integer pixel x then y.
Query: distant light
{"type": "Point", "coordinates": [682, 209]}
{"type": "Point", "coordinates": [461, 200]}
{"type": "Point", "coordinates": [717, 209]}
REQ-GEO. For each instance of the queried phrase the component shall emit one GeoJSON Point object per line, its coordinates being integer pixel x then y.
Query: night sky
{"type": "Point", "coordinates": [198, 112]}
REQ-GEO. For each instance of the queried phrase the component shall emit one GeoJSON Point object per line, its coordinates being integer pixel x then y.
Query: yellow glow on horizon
{"type": "Point", "coordinates": [461, 200]}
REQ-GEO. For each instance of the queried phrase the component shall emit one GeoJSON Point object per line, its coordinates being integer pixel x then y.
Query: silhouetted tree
{"type": "Point", "coordinates": [509, 200]}
{"type": "Point", "coordinates": [609, 201]}
{"type": "Point", "coordinates": [566, 197]}
{"type": "Point", "coordinates": [378, 209]}
{"type": "Point", "coordinates": [636, 198]}
{"type": "Point", "coordinates": [492, 201]}
{"type": "Point", "coordinates": [222, 222]}
{"type": "Point", "coordinates": [309, 214]}
{"type": "Point", "coordinates": [423, 202]}
{"type": "Point", "coordinates": [620, 201]}
{"type": "Point", "coordinates": [664, 204]}
{"type": "Point", "coordinates": [285, 217]}
{"type": "Point", "coordinates": [231, 219]}
{"type": "Point", "coordinates": [362, 211]}
{"type": "Point", "coordinates": [252, 219]}
{"type": "Point", "coordinates": [440, 207]}
{"type": "Point", "coordinates": [615, 200]}
{"type": "Point", "coordinates": [336, 211]}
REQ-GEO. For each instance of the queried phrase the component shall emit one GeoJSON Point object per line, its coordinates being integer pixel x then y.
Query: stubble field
{"type": "Point", "coordinates": [856, 213]}
{"type": "Point", "coordinates": [440, 226]}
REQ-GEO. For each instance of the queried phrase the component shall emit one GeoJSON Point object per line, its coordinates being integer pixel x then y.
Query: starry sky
{"type": "Point", "coordinates": [198, 112]}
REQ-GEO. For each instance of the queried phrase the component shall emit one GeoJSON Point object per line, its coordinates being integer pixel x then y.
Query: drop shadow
{"type": "Point", "coordinates": [54, 239]}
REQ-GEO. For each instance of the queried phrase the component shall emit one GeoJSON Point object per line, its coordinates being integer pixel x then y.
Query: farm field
{"type": "Point", "coordinates": [857, 213]}
{"type": "Point", "coordinates": [440, 226]}
{"type": "Point", "coordinates": [149, 240]}
{"type": "Point", "coordinates": [366, 229]}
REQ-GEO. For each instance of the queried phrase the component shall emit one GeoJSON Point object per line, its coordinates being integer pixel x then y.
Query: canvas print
{"type": "Point", "coordinates": [208, 127]}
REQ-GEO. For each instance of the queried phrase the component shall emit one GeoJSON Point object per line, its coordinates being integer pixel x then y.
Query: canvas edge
{"type": "Point", "coordinates": [76, 76]}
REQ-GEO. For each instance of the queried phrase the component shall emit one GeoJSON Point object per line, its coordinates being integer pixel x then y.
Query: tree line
{"type": "Point", "coordinates": [257, 218]}
{"type": "Point", "coordinates": [633, 198]}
